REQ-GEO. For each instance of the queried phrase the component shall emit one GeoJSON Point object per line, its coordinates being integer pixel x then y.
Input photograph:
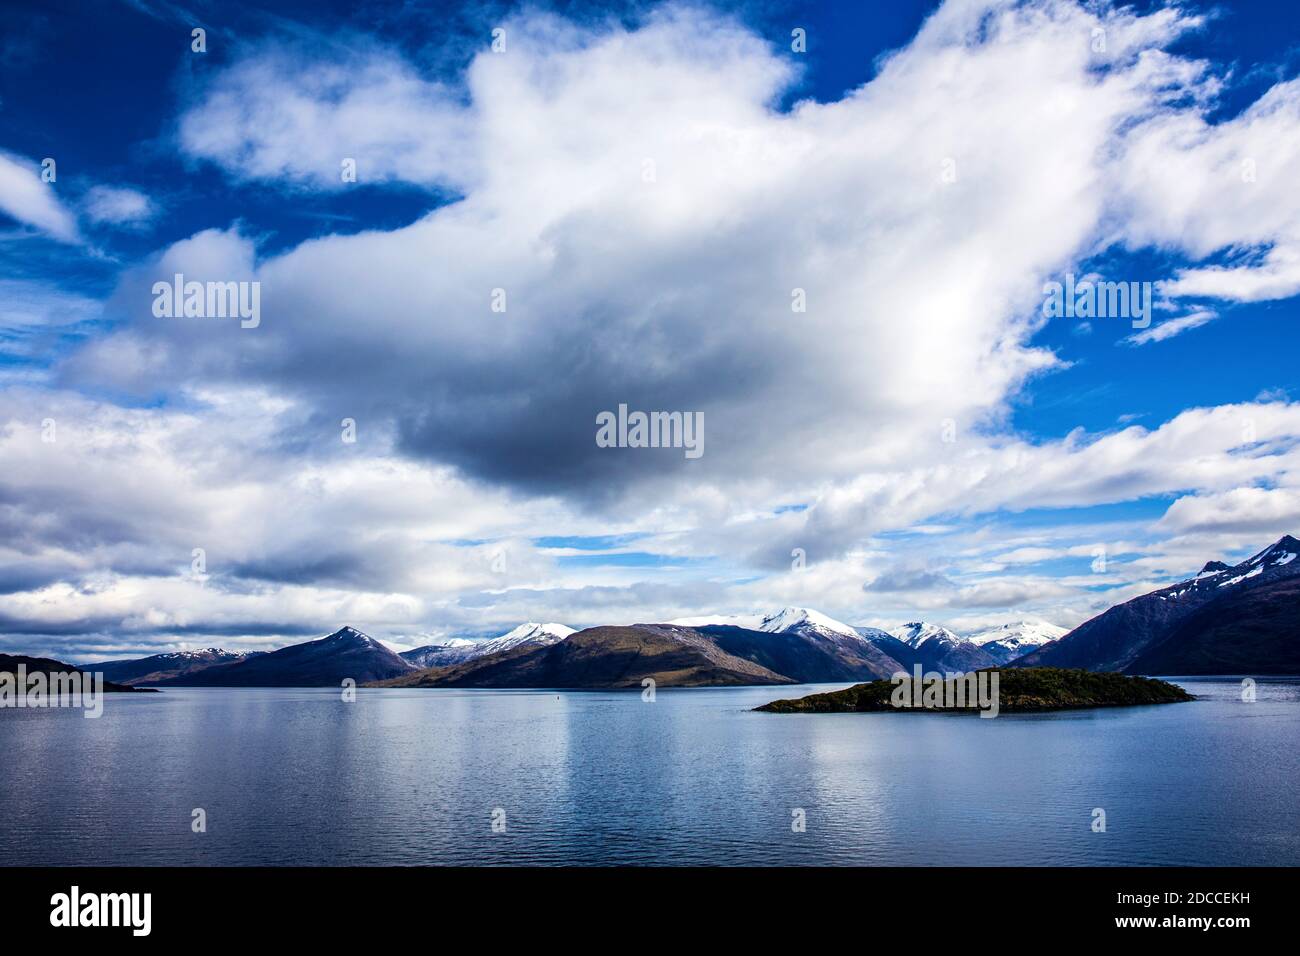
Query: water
{"type": "Point", "coordinates": [413, 777]}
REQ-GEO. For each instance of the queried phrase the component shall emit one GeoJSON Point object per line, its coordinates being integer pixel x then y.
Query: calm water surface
{"type": "Point", "coordinates": [413, 777]}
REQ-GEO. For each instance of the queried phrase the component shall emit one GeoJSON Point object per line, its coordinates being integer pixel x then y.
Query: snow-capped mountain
{"type": "Point", "coordinates": [346, 654]}
{"type": "Point", "coordinates": [460, 650]}
{"type": "Point", "coordinates": [1224, 620]}
{"type": "Point", "coordinates": [785, 621]}
{"type": "Point", "coordinates": [871, 633]}
{"type": "Point", "coordinates": [932, 646]}
{"type": "Point", "coordinates": [609, 656]}
{"type": "Point", "coordinates": [1271, 563]}
{"type": "Point", "coordinates": [919, 632]}
{"type": "Point", "coordinates": [798, 642]}
{"type": "Point", "coordinates": [1006, 642]}
{"type": "Point", "coordinates": [159, 667]}
{"type": "Point", "coordinates": [801, 620]}
{"type": "Point", "coordinates": [449, 649]}
{"type": "Point", "coordinates": [348, 636]}
{"type": "Point", "coordinates": [530, 633]}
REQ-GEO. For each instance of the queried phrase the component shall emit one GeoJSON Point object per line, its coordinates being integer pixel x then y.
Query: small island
{"type": "Point", "coordinates": [1019, 690]}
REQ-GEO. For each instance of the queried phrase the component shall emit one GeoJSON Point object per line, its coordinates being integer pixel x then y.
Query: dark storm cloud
{"type": "Point", "coordinates": [347, 568]}
{"type": "Point", "coordinates": [29, 574]}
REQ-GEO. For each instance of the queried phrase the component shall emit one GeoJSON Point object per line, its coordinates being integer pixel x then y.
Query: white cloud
{"type": "Point", "coordinates": [117, 205]}
{"type": "Point", "coordinates": [1220, 188]}
{"type": "Point", "coordinates": [1172, 327]}
{"type": "Point", "coordinates": [25, 197]}
{"type": "Point", "coordinates": [285, 114]}
{"type": "Point", "coordinates": [1202, 449]}
{"type": "Point", "coordinates": [1244, 510]}
{"type": "Point", "coordinates": [912, 283]}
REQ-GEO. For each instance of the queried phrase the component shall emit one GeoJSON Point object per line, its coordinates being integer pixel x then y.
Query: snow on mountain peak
{"type": "Point", "coordinates": [778, 622]}
{"type": "Point", "coordinates": [1281, 551]}
{"type": "Point", "coordinates": [917, 633]}
{"type": "Point", "coordinates": [1278, 554]}
{"type": "Point", "coordinates": [456, 650]}
{"type": "Point", "coordinates": [204, 653]}
{"type": "Point", "coordinates": [349, 638]}
{"type": "Point", "coordinates": [451, 642]}
{"type": "Point", "coordinates": [527, 633]}
{"type": "Point", "coordinates": [1018, 634]}
{"type": "Point", "coordinates": [532, 629]}
{"type": "Point", "coordinates": [795, 618]}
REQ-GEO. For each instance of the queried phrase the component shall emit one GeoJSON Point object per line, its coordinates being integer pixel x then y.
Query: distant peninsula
{"type": "Point", "coordinates": [12, 665]}
{"type": "Point", "coordinates": [1019, 691]}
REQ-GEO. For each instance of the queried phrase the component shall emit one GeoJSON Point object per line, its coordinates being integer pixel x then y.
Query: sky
{"type": "Point", "coordinates": [829, 232]}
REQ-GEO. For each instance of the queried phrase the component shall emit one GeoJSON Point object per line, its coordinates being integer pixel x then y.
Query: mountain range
{"type": "Point", "coordinates": [347, 653]}
{"type": "Point", "coordinates": [935, 648]}
{"type": "Point", "coordinates": [672, 656]}
{"type": "Point", "coordinates": [1008, 641]}
{"type": "Point", "coordinates": [457, 650]}
{"type": "Point", "coordinates": [161, 667]}
{"type": "Point", "coordinates": [1238, 619]}
{"type": "Point", "coordinates": [792, 644]}
{"type": "Point", "coordinates": [802, 644]}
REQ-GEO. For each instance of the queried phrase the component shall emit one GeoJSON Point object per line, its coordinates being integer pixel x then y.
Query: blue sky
{"type": "Point", "coordinates": [649, 183]}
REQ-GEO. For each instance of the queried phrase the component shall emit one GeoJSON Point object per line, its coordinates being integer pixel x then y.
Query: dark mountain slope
{"type": "Point", "coordinates": [605, 657]}
{"type": "Point", "coordinates": [935, 648]}
{"type": "Point", "coordinates": [160, 667]}
{"type": "Point", "coordinates": [939, 653]}
{"type": "Point", "coordinates": [323, 663]}
{"type": "Point", "coordinates": [805, 656]}
{"type": "Point", "coordinates": [1117, 638]}
{"type": "Point", "coordinates": [1256, 631]}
